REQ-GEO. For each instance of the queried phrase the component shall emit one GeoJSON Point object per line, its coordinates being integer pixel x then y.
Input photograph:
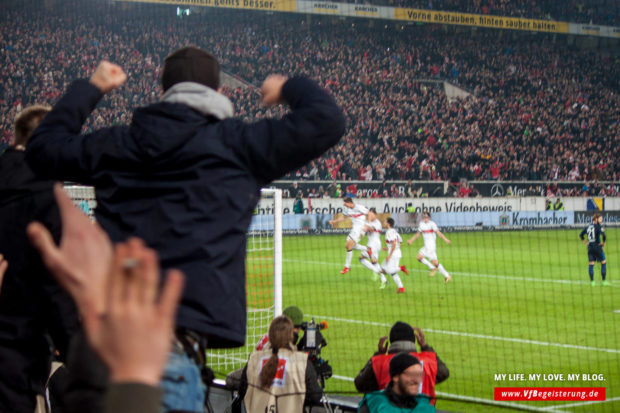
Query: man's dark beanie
{"type": "Point", "coordinates": [190, 64]}
{"type": "Point", "coordinates": [401, 332]}
{"type": "Point", "coordinates": [401, 362]}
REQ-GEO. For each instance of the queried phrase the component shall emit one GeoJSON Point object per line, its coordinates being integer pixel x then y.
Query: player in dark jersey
{"type": "Point", "coordinates": [595, 232]}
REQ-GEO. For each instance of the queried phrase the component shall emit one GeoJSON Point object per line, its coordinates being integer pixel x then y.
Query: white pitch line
{"type": "Point", "coordinates": [482, 336]}
{"type": "Point", "coordinates": [562, 406]}
{"type": "Point", "coordinates": [469, 274]}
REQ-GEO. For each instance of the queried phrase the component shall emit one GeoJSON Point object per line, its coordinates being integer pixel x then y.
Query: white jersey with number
{"type": "Point", "coordinates": [393, 239]}
{"type": "Point", "coordinates": [357, 214]}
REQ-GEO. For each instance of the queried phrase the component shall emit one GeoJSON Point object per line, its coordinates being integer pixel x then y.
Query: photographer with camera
{"type": "Point", "coordinates": [375, 375]}
{"type": "Point", "coordinates": [279, 378]}
{"type": "Point", "coordinates": [296, 316]}
{"type": "Point", "coordinates": [294, 313]}
{"type": "Point", "coordinates": [312, 342]}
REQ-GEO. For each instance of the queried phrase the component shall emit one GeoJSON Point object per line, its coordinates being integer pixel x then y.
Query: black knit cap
{"type": "Point", "coordinates": [191, 64]}
{"type": "Point", "coordinates": [401, 332]}
{"type": "Point", "coordinates": [401, 362]}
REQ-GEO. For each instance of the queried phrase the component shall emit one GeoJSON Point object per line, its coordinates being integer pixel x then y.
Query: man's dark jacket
{"type": "Point", "coordinates": [32, 305]}
{"type": "Point", "coordinates": [187, 184]}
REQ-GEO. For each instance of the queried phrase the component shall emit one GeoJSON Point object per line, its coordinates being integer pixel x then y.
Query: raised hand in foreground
{"type": "Point", "coordinates": [127, 322]}
{"type": "Point", "coordinates": [135, 335]}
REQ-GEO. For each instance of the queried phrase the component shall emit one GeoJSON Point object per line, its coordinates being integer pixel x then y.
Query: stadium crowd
{"type": "Point", "coordinates": [538, 110]}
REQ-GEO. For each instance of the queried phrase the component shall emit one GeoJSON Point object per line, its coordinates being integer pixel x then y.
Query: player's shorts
{"type": "Point", "coordinates": [428, 253]}
{"type": "Point", "coordinates": [356, 235]}
{"type": "Point", "coordinates": [595, 253]}
{"type": "Point", "coordinates": [375, 247]}
{"type": "Point", "coordinates": [393, 265]}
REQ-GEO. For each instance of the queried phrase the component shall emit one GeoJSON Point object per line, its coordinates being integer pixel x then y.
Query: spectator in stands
{"type": "Point", "coordinates": [127, 321]}
{"type": "Point", "coordinates": [294, 189]}
{"type": "Point", "coordinates": [298, 204]}
{"type": "Point", "coordinates": [511, 127]}
{"type": "Point", "coordinates": [464, 191]}
{"type": "Point", "coordinates": [402, 392]}
{"type": "Point", "coordinates": [201, 196]}
{"type": "Point", "coordinates": [473, 192]}
{"type": "Point", "coordinates": [33, 306]}
{"type": "Point", "coordinates": [279, 378]}
{"type": "Point", "coordinates": [375, 374]}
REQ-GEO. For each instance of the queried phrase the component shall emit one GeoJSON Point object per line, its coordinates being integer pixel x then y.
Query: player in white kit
{"type": "Point", "coordinates": [429, 231]}
{"type": "Point", "coordinates": [370, 257]}
{"type": "Point", "coordinates": [357, 214]}
{"type": "Point", "coordinates": [391, 265]}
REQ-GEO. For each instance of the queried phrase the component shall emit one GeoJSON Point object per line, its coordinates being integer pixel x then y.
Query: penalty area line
{"type": "Point", "coordinates": [481, 336]}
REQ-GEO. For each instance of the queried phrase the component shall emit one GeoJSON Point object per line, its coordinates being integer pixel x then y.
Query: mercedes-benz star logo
{"type": "Point", "coordinates": [497, 190]}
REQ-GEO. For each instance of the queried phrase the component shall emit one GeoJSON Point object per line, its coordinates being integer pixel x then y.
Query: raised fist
{"type": "Point", "coordinates": [271, 90]}
{"type": "Point", "coordinates": [108, 76]}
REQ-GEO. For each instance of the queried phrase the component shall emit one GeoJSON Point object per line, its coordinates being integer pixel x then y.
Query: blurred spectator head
{"type": "Point", "coordinates": [191, 64]}
{"type": "Point", "coordinates": [401, 331]}
{"type": "Point", "coordinates": [26, 122]}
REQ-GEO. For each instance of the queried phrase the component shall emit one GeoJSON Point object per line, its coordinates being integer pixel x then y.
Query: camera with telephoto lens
{"type": "Point", "coordinates": [312, 342]}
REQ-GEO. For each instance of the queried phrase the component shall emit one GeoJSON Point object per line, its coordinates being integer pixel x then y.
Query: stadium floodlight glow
{"type": "Point", "coordinates": [183, 12]}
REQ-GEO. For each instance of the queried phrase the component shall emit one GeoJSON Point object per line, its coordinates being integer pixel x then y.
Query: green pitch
{"type": "Point", "coordinates": [519, 303]}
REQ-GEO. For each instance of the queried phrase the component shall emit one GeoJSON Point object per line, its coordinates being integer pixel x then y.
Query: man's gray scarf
{"type": "Point", "coordinates": [200, 98]}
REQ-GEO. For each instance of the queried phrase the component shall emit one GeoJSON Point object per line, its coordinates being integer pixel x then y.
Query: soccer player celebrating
{"type": "Point", "coordinates": [357, 213]}
{"type": "Point", "coordinates": [391, 265]}
{"type": "Point", "coordinates": [429, 231]}
{"type": "Point", "coordinates": [370, 256]}
{"type": "Point", "coordinates": [595, 247]}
